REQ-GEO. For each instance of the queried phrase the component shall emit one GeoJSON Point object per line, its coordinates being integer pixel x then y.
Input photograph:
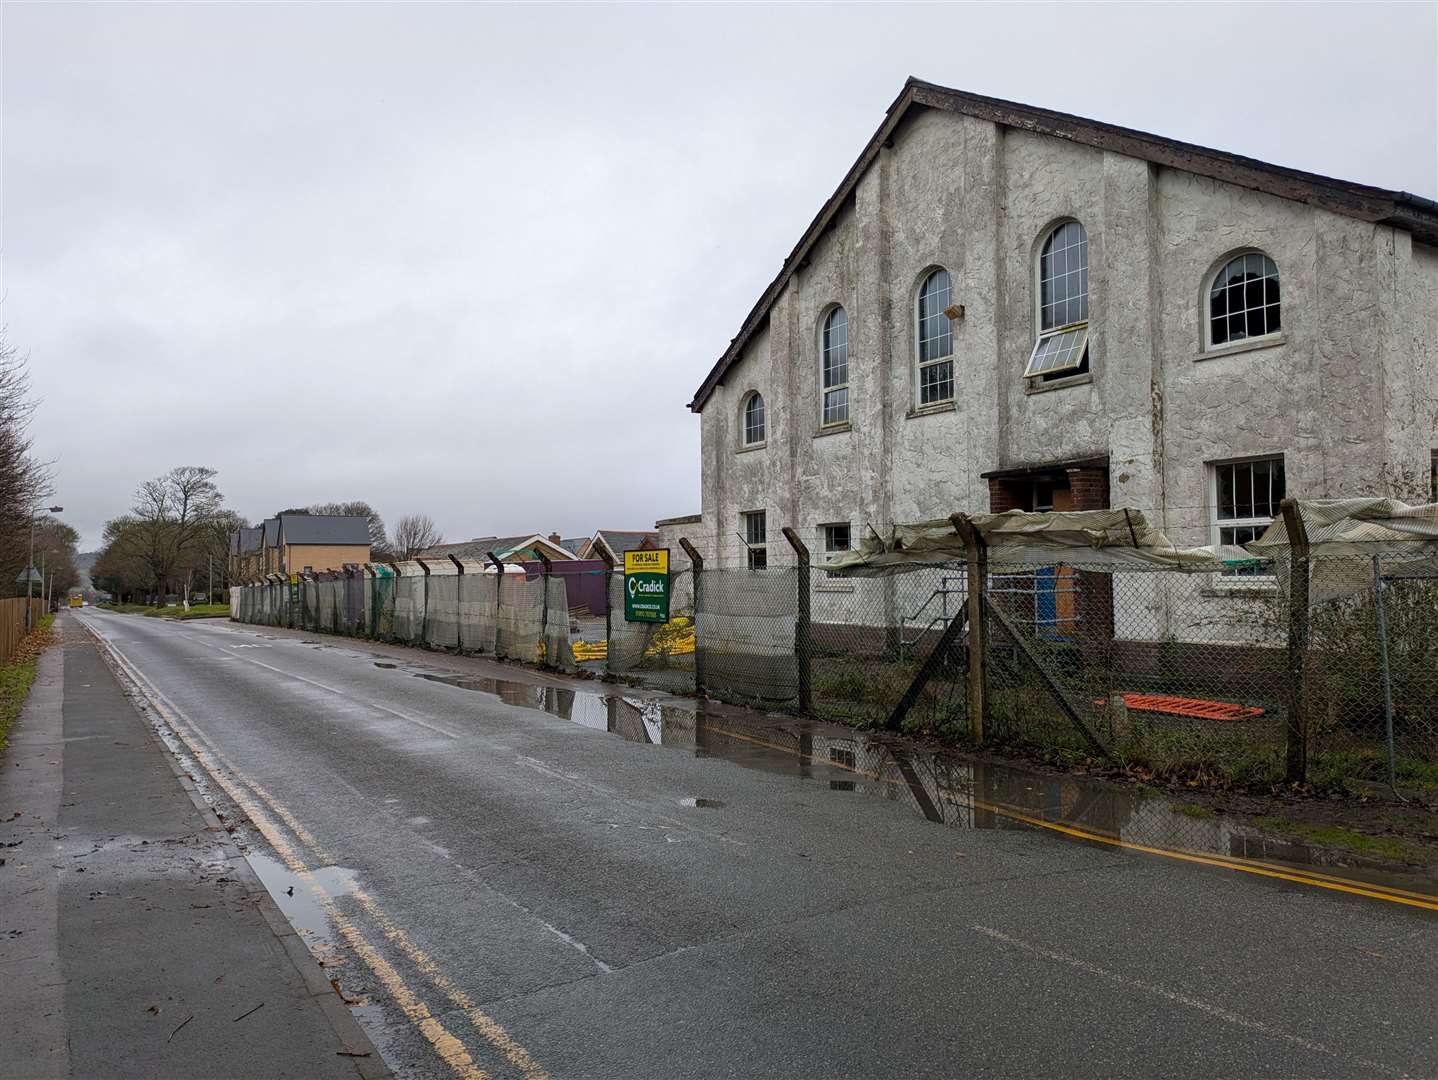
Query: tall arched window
{"type": "Point", "coordinates": [834, 367]}
{"type": "Point", "coordinates": [1243, 300]}
{"type": "Point", "coordinates": [936, 340]}
{"type": "Point", "coordinates": [754, 419]}
{"type": "Point", "coordinates": [1062, 345]}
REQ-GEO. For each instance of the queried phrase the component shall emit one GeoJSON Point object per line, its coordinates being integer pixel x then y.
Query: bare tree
{"type": "Point", "coordinates": [169, 520]}
{"type": "Point", "coordinates": [414, 533]}
{"type": "Point", "coordinates": [358, 508]}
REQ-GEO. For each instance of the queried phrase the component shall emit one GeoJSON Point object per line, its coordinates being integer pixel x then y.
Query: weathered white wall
{"type": "Point", "coordinates": [1348, 395]}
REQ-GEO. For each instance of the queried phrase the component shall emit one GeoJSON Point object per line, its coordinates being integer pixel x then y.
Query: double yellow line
{"type": "Point", "coordinates": [1227, 862]}
{"type": "Point", "coordinates": [259, 805]}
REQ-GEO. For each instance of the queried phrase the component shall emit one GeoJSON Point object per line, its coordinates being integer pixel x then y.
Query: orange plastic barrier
{"type": "Point", "coordinates": [1198, 708]}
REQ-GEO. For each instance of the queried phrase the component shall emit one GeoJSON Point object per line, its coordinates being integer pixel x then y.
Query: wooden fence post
{"type": "Point", "coordinates": [696, 561]}
{"type": "Point", "coordinates": [803, 629]}
{"type": "Point", "coordinates": [977, 551]}
{"type": "Point", "coordinates": [1298, 579]}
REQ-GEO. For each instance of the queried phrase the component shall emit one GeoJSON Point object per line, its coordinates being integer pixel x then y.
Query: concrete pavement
{"type": "Point", "coordinates": [134, 939]}
{"type": "Point", "coordinates": [516, 893]}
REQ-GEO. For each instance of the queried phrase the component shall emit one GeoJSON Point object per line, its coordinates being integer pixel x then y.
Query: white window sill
{"type": "Point", "coordinates": [833, 429]}
{"type": "Point", "coordinates": [1268, 341]}
{"type": "Point", "coordinates": [752, 447]}
{"type": "Point", "coordinates": [1039, 386]}
{"type": "Point", "coordinates": [1264, 586]}
{"type": "Point", "coordinates": [931, 409]}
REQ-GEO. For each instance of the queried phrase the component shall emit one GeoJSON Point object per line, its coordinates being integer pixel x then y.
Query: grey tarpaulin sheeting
{"type": "Point", "coordinates": [1121, 539]}
{"type": "Point", "coordinates": [521, 610]}
{"type": "Point", "coordinates": [558, 652]}
{"type": "Point", "coordinates": [1343, 537]}
{"type": "Point", "coordinates": [441, 622]}
{"type": "Point", "coordinates": [408, 602]}
{"type": "Point", "coordinates": [478, 604]}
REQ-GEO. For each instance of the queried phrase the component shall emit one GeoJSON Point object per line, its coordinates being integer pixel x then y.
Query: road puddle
{"type": "Point", "coordinates": [302, 899]}
{"type": "Point", "coordinates": [945, 788]}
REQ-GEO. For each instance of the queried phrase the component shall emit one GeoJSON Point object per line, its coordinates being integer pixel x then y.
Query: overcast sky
{"type": "Point", "coordinates": [474, 260]}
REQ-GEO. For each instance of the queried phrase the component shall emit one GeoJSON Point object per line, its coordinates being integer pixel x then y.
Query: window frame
{"type": "Point", "coordinates": [920, 364]}
{"type": "Point", "coordinates": [1084, 364]}
{"type": "Point", "coordinates": [825, 389]}
{"type": "Point", "coordinates": [827, 534]}
{"type": "Point", "coordinates": [744, 404]}
{"type": "Point", "coordinates": [1217, 524]}
{"type": "Point", "coordinates": [756, 552]}
{"type": "Point", "coordinates": [1272, 337]}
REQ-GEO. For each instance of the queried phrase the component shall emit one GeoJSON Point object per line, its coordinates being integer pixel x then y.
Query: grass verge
{"type": "Point", "coordinates": [18, 674]}
{"type": "Point", "coordinates": [197, 611]}
{"type": "Point", "coordinates": [1385, 847]}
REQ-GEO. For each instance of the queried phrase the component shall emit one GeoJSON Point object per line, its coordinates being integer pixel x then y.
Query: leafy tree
{"type": "Point", "coordinates": [24, 481]}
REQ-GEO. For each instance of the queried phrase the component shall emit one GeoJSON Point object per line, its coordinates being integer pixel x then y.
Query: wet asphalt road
{"type": "Point", "coordinates": [537, 897]}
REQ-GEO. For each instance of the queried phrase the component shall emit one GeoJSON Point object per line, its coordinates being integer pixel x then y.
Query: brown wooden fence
{"type": "Point", "coordinates": [12, 624]}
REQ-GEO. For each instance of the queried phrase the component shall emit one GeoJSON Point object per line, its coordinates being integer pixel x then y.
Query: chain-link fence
{"type": "Point", "coordinates": [1312, 666]}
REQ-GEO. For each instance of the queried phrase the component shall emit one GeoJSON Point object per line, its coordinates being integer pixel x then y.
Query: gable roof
{"type": "Point", "coordinates": [618, 541]}
{"type": "Point", "coordinates": [502, 546]}
{"type": "Point", "coordinates": [324, 529]}
{"type": "Point", "coordinates": [1400, 209]}
{"type": "Point", "coordinates": [270, 532]}
{"type": "Point", "coordinates": [246, 539]}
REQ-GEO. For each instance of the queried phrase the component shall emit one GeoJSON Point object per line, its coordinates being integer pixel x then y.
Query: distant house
{"type": "Point", "coordinates": [615, 542]}
{"type": "Point", "coordinates": [247, 553]}
{"type": "Point", "coordinates": [515, 549]}
{"type": "Point", "coordinates": [290, 543]}
{"type": "Point", "coordinates": [322, 541]}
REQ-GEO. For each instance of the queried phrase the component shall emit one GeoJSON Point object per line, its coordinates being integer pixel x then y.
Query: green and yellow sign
{"type": "Point", "coordinates": [646, 586]}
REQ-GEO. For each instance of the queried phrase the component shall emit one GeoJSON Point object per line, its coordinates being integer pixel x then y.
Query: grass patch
{"type": "Point", "coordinates": [17, 676]}
{"type": "Point", "coordinates": [197, 611]}
{"type": "Point", "coordinates": [1386, 847]}
{"type": "Point", "coordinates": [1194, 810]}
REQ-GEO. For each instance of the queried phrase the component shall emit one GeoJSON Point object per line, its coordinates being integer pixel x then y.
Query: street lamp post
{"type": "Point", "coordinates": [30, 570]}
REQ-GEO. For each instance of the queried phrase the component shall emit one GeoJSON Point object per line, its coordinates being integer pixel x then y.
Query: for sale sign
{"type": "Point", "coordinates": [646, 586]}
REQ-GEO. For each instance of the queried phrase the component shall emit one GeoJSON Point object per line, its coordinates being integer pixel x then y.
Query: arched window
{"type": "Point", "coordinates": [834, 367]}
{"type": "Point", "coordinates": [1243, 300]}
{"type": "Point", "coordinates": [1062, 345]}
{"type": "Point", "coordinates": [754, 419]}
{"type": "Point", "coordinates": [936, 340]}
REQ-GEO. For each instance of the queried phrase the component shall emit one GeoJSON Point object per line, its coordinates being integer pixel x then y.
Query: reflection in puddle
{"type": "Point", "coordinates": [943, 788]}
{"type": "Point", "coordinates": [301, 904]}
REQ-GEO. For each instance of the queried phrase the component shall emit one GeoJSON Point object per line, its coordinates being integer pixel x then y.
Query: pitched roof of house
{"type": "Point", "coordinates": [1401, 209]}
{"type": "Point", "coordinates": [574, 543]}
{"type": "Point", "coordinates": [270, 532]}
{"type": "Point", "coordinates": [324, 529]}
{"type": "Point", "coordinates": [246, 539]}
{"type": "Point", "coordinates": [618, 541]}
{"type": "Point", "coordinates": [502, 546]}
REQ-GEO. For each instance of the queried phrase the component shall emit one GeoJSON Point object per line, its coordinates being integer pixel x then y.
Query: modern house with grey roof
{"type": "Point", "coordinates": [291, 543]}
{"type": "Point", "coordinates": [1005, 306]}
